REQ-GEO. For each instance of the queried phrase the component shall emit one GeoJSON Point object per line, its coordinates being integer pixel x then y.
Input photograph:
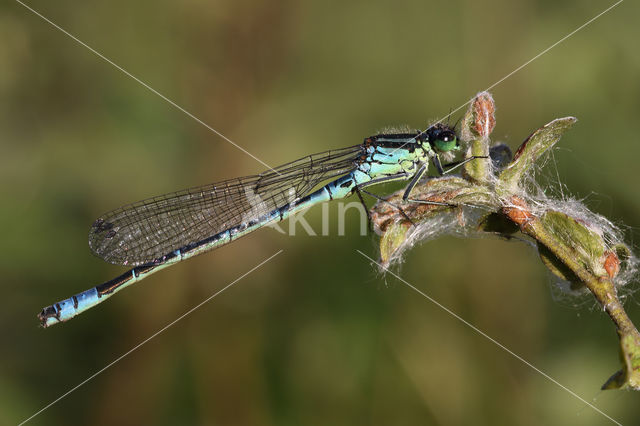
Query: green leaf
{"type": "Point", "coordinates": [629, 376]}
{"type": "Point", "coordinates": [531, 149]}
{"type": "Point", "coordinates": [574, 234]}
{"type": "Point", "coordinates": [394, 236]}
{"type": "Point", "coordinates": [559, 268]}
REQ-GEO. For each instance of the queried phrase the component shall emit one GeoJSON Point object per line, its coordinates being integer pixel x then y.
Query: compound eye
{"type": "Point", "coordinates": [447, 141]}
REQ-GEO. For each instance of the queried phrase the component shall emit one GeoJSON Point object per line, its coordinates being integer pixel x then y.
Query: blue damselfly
{"type": "Point", "coordinates": [158, 232]}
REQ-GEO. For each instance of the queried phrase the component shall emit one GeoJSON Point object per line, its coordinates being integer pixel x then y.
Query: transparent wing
{"type": "Point", "coordinates": [144, 231]}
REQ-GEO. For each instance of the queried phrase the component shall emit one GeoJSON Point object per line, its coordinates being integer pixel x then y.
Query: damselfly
{"type": "Point", "coordinates": [158, 232]}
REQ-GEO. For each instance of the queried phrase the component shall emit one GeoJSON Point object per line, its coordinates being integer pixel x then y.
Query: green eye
{"type": "Point", "coordinates": [446, 143]}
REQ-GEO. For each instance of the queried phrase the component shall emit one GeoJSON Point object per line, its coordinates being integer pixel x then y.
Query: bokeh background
{"type": "Point", "coordinates": [316, 336]}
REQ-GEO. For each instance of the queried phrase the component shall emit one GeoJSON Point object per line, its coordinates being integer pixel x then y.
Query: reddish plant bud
{"type": "Point", "coordinates": [484, 112]}
{"type": "Point", "coordinates": [518, 211]}
{"type": "Point", "coordinates": [611, 264]}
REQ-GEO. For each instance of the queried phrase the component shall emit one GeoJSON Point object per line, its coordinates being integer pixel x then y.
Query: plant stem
{"type": "Point", "coordinates": [601, 287]}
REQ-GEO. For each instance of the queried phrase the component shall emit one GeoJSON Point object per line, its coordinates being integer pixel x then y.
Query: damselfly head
{"type": "Point", "coordinates": [442, 137]}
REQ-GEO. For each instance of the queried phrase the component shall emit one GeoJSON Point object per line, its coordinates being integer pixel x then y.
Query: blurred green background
{"type": "Point", "coordinates": [316, 336]}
